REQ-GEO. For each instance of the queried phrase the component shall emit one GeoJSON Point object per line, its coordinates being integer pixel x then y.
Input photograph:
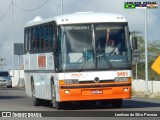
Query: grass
{"type": "Point", "coordinates": [142, 94]}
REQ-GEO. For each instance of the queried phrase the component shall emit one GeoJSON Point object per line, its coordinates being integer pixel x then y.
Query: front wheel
{"type": "Point", "coordinates": [36, 101]}
{"type": "Point", "coordinates": [58, 105]}
{"type": "Point", "coordinates": [55, 104]}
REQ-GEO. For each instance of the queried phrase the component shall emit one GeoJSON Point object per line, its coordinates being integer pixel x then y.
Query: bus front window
{"type": "Point", "coordinates": [76, 48]}
{"type": "Point", "coordinates": [112, 46]}
{"type": "Point", "coordinates": [94, 47]}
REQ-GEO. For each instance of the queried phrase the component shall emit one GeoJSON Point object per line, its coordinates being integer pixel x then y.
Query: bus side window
{"type": "Point", "coordinates": [26, 40]}
{"type": "Point", "coordinates": [33, 45]}
{"type": "Point", "coordinates": [50, 36]}
{"type": "Point", "coordinates": [34, 38]}
{"type": "Point", "coordinates": [42, 38]}
{"type": "Point", "coordinates": [46, 44]}
{"type": "Point", "coordinates": [29, 39]}
{"type": "Point", "coordinates": [38, 37]}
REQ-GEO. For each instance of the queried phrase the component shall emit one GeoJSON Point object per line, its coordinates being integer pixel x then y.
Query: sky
{"type": "Point", "coordinates": [52, 8]}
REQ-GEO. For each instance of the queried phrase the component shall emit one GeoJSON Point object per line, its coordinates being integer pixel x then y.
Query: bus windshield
{"type": "Point", "coordinates": [101, 46]}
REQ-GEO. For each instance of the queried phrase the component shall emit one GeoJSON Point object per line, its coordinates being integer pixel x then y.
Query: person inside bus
{"type": "Point", "coordinates": [122, 47]}
{"type": "Point", "coordinates": [111, 48]}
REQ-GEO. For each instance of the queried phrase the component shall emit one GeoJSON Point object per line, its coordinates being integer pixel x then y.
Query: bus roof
{"type": "Point", "coordinates": [81, 17]}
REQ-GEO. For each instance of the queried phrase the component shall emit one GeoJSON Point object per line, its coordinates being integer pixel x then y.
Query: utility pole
{"type": "Point", "coordinates": [61, 7]}
{"type": "Point", "coordinates": [146, 54]}
{"type": "Point", "coordinates": [12, 42]}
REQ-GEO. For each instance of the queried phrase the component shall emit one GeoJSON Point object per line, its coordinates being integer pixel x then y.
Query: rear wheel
{"type": "Point", "coordinates": [117, 103]}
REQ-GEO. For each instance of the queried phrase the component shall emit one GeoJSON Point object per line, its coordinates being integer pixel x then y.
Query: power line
{"type": "Point", "coordinates": [21, 9]}
{"type": "Point", "coordinates": [30, 9]}
{"type": "Point", "coordinates": [5, 12]}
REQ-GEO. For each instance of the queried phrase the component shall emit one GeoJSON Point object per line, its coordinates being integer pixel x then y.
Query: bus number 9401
{"type": "Point", "coordinates": [124, 74]}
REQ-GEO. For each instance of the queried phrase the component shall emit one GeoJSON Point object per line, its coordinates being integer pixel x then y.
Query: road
{"type": "Point", "coordinates": [15, 99]}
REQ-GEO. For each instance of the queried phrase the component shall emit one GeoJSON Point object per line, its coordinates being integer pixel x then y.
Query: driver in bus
{"type": "Point", "coordinates": [111, 48]}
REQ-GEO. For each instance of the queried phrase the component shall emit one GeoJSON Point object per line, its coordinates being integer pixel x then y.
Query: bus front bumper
{"type": "Point", "coordinates": [97, 91]}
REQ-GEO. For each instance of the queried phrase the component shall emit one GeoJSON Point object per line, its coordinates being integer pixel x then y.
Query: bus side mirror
{"type": "Point", "coordinates": [134, 43]}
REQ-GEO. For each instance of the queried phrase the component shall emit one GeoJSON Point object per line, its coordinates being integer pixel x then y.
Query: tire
{"type": "Point", "coordinates": [9, 86]}
{"type": "Point", "coordinates": [53, 94]}
{"type": "Point", "coordinates": [58, 105]}
{"type": "Point", "coordinates": [55, 104]}
{"type": "Point", "coordinates": [117, 103]}
{"type": "Point", "coordinates": [36, 101]}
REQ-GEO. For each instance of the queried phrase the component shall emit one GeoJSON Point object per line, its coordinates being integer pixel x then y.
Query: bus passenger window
{"type": "Point", "coordinates": [33, 42]}
{"type": "Point", "coordinates": [50, 36]}
{"type": "Point", "coordinates": [38, 37]}
{"type": "Point", "coordinates": [29, 39]}
{"type": "Point", "coordinates": [46, 44]}
{"type": "Point", "coordinates": [26, 40]}
{"type": "Point", "coordinates": [42, 38]}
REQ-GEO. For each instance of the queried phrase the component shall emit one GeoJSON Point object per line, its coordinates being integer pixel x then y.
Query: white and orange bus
{"type": "Point", "coordinates": [65, 59]}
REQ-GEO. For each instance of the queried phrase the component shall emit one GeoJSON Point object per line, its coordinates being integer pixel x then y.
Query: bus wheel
{"type": "Point", "coordinates": [56, 104]}
{"type": "Point", "coordinates": [9, 86]}
{"type": "Point", "coordinates": [117, 103]}
{"type": "Point", "coordinates": [36, 102]}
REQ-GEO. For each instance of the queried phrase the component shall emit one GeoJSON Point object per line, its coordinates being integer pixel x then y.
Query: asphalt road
{"type": "Point", "coordinates": [15, 99]}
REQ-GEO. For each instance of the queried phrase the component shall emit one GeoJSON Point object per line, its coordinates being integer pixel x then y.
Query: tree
{"type": "Point", "coordinates": [153, 52]}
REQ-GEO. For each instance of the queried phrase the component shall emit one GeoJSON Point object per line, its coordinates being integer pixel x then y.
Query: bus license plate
{"type": "Point", "coordinates": [96, 92]}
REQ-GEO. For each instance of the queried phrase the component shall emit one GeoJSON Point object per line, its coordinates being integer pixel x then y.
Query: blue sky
{"type": "Point", "coordinates": [52, 8]}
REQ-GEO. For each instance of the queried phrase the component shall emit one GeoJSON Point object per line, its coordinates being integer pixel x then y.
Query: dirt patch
{"type": "Point", "coordinates": [142, 94]}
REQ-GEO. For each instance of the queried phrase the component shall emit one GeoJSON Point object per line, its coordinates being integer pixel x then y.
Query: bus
{"type": "Point", "coordinates": [65, 59]}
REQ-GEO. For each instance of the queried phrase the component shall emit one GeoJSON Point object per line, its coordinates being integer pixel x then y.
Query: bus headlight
{"type": "Point", "coordinates": [121, 79]}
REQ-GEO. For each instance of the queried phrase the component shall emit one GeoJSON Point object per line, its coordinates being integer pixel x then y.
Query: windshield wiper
{"type": "Point", "coordinates": [106, 59]}
{"type": "Point", "coordinates": [81, 66]}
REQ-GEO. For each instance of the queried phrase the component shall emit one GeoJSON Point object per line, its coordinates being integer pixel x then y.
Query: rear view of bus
{"type": "Point", "coordinates": [83, 69]}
